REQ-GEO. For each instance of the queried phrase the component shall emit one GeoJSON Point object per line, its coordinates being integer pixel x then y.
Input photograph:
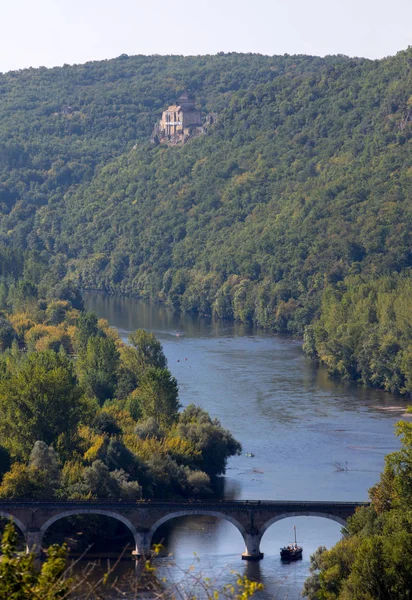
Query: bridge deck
{"type": "Point", "coordinates": [212, 504]}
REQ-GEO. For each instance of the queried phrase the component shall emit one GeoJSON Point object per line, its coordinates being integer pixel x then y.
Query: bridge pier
{"type": "Point", "coordinates": [34, 540]}
{"type": "Point", "coordinates": [143, 545]}
{"type": "Point", "coordinates": [252, 551]}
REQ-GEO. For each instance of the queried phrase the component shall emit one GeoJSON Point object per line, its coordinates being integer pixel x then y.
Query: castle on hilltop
{"type": "Point", "coordinates": [179, 122]}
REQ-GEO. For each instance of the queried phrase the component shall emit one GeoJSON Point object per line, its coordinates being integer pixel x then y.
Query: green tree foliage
{"type": "Point", "coordinates": [364, 331]}
{"type": "Point", "coordinates": [39, 479]}
{"type": "Point", "coordinates": [22, 481]}
{"type": "Point", "coordinates": [148, 428]}
{"type": "Point", "coordinates": [86, 328]}
{"type": "Point", "coordinates": [144, 351]}
{"type": "Point", "coordinates": [97, 367]}
{"type": "Point", "coordinates": [157, 396]}
{"type": "Point", "coordinates": [400, 465]}
{"type": "Point", "coordinates": [198, 483]}
{"type": "Point", "coordinates": [215, 444]}
{"type": "Point", "coordinates": [21, 580]}
{"type": "Point", "coordinates": [27, 276]}
{"type": "Point", "coordinates": [98, 482]}
{"type": "Point", "coordinates": [7, 334]}
{"type": "Point", "coordinates": [98, 420]}
{"type": "Point", "coordinates": [105, 423]}
{"type": "Point", "coordinates": [39, 400]}
{"type": "Point", "coordinates": [5, 461]}
{"type": "Point", "coordinates": [45, 458]}
{"type": "Point", "coordinates": [374, 560]}
{"type": "Point", "coordinates": [149, 351]}
{"type": "Point", "coordinates": [116, 456]}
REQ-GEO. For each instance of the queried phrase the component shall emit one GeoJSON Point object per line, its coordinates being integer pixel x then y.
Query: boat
{"type": "Point", "coordinates": [291, 551]}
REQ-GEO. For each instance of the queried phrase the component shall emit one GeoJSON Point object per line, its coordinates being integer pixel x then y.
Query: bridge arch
{"type": "Point", "coordinates": [91, 511]}
{"type": "Point", "coordinates": [301, 513]}
{"type": "Point", "coordinates": [15, 520]}
{"type": "Point", "coordinates": [189, 513]}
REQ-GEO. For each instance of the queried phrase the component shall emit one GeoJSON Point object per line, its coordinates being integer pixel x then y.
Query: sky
{"type": "Point", "coordinates": [54, 32]}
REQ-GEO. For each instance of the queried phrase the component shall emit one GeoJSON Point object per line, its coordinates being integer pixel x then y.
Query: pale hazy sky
{"type": "Point", "coordinates": [54, 32]}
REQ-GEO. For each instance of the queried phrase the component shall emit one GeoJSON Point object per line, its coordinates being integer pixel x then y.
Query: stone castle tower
{"type": "Point", "coordinates": [180, 120]}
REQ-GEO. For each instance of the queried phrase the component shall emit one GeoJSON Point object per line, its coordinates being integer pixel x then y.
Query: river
{"type": "Point", "coordinates": [312, 438]}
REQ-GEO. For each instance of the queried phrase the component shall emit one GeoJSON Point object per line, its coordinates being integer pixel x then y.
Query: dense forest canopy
{"type": "Point", "coordinates": [84, 415]}
{"type": "Point", "coordinates": [301, 185]}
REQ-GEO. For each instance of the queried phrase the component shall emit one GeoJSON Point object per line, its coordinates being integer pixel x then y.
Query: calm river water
{"type": "Point", "coordinates": [302, 428]}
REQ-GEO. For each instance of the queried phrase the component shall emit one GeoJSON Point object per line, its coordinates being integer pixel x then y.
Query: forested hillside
{"type": "Point", "coordinates": [301, 185]}
{"type": "Point", "coordinates": [58, 125]}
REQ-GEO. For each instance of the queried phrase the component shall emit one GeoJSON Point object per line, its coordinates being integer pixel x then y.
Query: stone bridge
{"type": "Point", "coordinates": [252, 518]}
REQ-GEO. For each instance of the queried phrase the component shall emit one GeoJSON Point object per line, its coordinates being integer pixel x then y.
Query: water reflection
{"type": "Point", "coordinates": [127, 312]}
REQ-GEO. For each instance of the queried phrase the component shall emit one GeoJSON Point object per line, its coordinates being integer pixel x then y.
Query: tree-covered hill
{"type": "Point", "coordinates": [57, 125]}
{"type": "Point", "coordinates": [303, 181]}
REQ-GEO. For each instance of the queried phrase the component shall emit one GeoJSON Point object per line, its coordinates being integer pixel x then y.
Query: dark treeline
{"type": "Point", "coordinates": [301, 185]}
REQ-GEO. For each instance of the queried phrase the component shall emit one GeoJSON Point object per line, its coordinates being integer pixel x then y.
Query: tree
{"type": "Point", "coordinates": [149, 350]}
{"type": "Point", "coordinates": [23, 295]}
{"type": "Point", "coordinates": [158, 396]}
{"type": "Point", "coordinates": [86, 328]}
{"type": "Point", "coordinates": [25, 481]}
{"type": "Point", "coordinates": [105, 423]}
{"type": "Point", "coordinates": [148, 428]}
{"type": "Point", "coordinates": [7, 334]}
{"type": "Point", "coordinates": [45, 458]}
{"type": "Point", "coordinates": [5, 461]}
{"type": "Point", "coordinates": [56, 311]}
{"type": "Point", "coordinates": [39, 479]}
{"type": "Point", "coordinates": [198, 484]}
{"type": "Point", "coordinates": [311, 587]}
{"type": "Point", "coordinates": [214, 442]}
{"type": "Point", "coordinates": [129, 371]}
{"type": "Point", "coordinates": [68, 291]}
{"type": "Point", "coordinates": [101, 483]}
{"type": "Point", "coordinates": [21, 580]}
{"type": "Point", "coordinates": [169, 478]}
{"type": "Point", "coordinates": [401, 463]}
{"type": "Point", "coordinates": [39, 400]}
{"type": "Point", "coordinates": [97, 367]}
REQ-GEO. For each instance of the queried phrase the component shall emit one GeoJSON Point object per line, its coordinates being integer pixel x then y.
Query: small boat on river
{"type": "Point", "coordinates": [291, 551]}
